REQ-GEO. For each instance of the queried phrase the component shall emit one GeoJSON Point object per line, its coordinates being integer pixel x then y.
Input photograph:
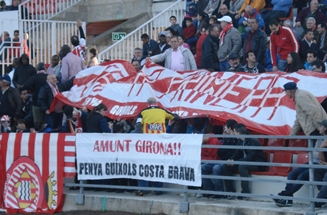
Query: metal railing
{"type": "Point", "coordinates": [45, 38]}
{"type": "Point", "coordinates": [310, 149]}
{"type": "Point", "coordinates": [45, 9]}
{"type": "Point", "coordinates": [123, 49]}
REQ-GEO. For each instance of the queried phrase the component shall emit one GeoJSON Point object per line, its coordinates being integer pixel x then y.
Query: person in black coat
{"type": "Point", "coordinates": [97, 122]}
{"type": "Point", "coordinates": [23, 72]}
{"type": "Point", "coordinates": [210, 46]}
{"type": "Point", "coordinates": [149, 46]}
{"type": "Point", "coordinates": [76, 120]}
{"type": "Point", "coordinates": [45, 98]}
{"type": "Point", "coordinates": [243, 155]}
{"type": "Point", "coordinates": [34, 84]}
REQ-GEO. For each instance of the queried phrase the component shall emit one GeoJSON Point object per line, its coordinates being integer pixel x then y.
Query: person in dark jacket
{"type": "Point", "coordinates": [23, 72]}
{"type": "Point", "coordinates": [45, 98]}
{"type": "Point", "coordinates": [223, 154]}
{"type": "Point", "coordinates": [10, 102]}
{"type": "Point", "coordinates": [243, 155]}
{"type": "Point", "coordinates": [34, 84]}
{"type": "Point", "coordinates": [163, 46]}
{"type": "Point", "coordinates": [149, 46]}
{"type": "Point", "coordinates": [27, 108]}
{"type": "Point", "coordinates": [256, 41]}
{"type": "Point", "coordinates": [210, 45]}
{"type": "Point", "coordinates": [97, 122]}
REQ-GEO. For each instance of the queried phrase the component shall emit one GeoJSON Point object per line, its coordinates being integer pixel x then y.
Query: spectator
{"type": "Point", "coordinates": [312, 11]}
{"type": "Point", "coordinates": [308, 110]}
{"type": "Point", "coordinates": [6, 42]}
{"type": "Point", "coordinates": [201, 5]}
{"type": "Point", "coordinates": [189, 32]}
{"type": "Point", "coordinates": [212, 20]}
{"type": "Point", "coordinates": [223, 11]}
{"type": "Point", "coordinates": [282, 42]}
{"type": "Point", "coordinates": [311, 56]}
{"type": "Point", "coordinates": [201, 21]}
{"type": "Point", "coordinates": [27, 108]}
{"type": "Point", "coordinates": [79, 44]}
{"type": "Point", "coordinates": [163, 45]}
{"type": "Point", "coordinates": [280, 9]}
{"type": "Point", "coordinates": [10, 103]}
{"type": "Point", "coordinates": [149, 45]}
{"type": "Point", "coordinates": [175, 26]}
{"type": "Point", "coordinates": [224, 154]}
{"type": "Point", "coordinates": [71, 64]}
{"type": "Point", "coordinates": [23, 72]}
{"type": "Point", "coordinates": [75, 120]}
{"type": "Point", "coordinates": [137, 65]}
{"type": "Point", "coordinates": [29, 46]}
{"type": "Point", "coordinates": [3, 6]}
{"type": "Point", "coordinates": [234, 62]}
{"type": "Point", "coordinates": [318, 66]}
{"type": "Point", "coordinates": [15, 64]}
{"type": "Point", "coordinates": [243, 155]}
{"type": "Point", "coordinates": [250, 13]}
{"type": "Point", "coordinates": [252, 65]}
{"type": "Point", "coordinates": [256, 41]}
{"type": "Point", "coordinates": [5, 124]}
{"type": "Point", "coordinates": [182, 43]}
{"type": "Point", "coordinates": [199, 45]}
{"type": "Point", "coordinates": [34, 85]}
{"type": "Point", "coordinates": [176, 58]}
{"type": "Point", "coordinates": [311, 25]}
{"type": "Point", "coordinates": [234, 7]}
{"type": "Point", "coordinates": [289, 23]}
{"type": "Point", "coordinates": [320, 174]}
{"type": "Point", "coordinates": [301, 173]}
{"type": "Point", "coordinates": [256, 4]}
{"type": "Point", "coordinates": [153, 119]}
{"type": "Point", "coordinates": [322, 40]}
{"type": "Point", "coordinates": [93, 58]}
{"type": "Point", "coordinates": [294, 63]}
{"type": "Point", "coordinates": [137, 54]}
{"type": "Point", "coordinates": [230, 42]}
{"type": "Point", "coordinates": [21, 126]}
{"type": "Point", "coordinates": [97, 122]}
{"type": "Point", "coordinates": [209, 50]}
{"type": "Point", "coordinates": [45, 98]}
{"type": "Point", "coordinates": [55, 67]}
{"type": "Point", "coordinates": [15, 40]}
{"type": "Point", "coordinates": [211, 6]}
{"type": "Point", "coordinates": [306, 44]}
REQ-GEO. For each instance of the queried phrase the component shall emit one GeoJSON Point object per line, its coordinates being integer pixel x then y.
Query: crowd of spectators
{"type": "Point", "coordinates": [253, 36]}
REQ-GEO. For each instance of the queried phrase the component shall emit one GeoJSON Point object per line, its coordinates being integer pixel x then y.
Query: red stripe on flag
{"type": "Point", "coordinates": [3, 152]}
{"type": "Point", "coordinates": [69, 175]}
{"type": "Point", "coordinates": [45, 156]}
{"type": "Point", "coordinates": [70, 154]}
{"type": "Point", "coordinates": [17, 145]}
{"type": "Point", "coordinates": [31, 145]}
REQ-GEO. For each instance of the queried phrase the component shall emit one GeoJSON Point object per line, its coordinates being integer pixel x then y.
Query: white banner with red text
{"type": "Point", "coordinates": [171, 158]}
{"type": "Point", "coordinates": [256, 100]}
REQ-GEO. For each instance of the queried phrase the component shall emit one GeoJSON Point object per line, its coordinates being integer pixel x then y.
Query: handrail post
{"type": "Point", "coordinates": [184, 205]}
{"type": "Point", "coordinates": [311, 179]}
{"type": "Point", "coordinates": [80, 196]}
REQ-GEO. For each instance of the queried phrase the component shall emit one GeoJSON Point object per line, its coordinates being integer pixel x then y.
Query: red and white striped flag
{"type": "Point", "coordinates": [34, 165]}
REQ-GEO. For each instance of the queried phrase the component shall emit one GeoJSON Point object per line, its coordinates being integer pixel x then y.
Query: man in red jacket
{"type": "Point", "coordinates": [282, 42]}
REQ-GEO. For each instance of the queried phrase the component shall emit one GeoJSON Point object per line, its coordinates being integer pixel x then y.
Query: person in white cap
{"type": "Point", "coordinates": [230, 42]}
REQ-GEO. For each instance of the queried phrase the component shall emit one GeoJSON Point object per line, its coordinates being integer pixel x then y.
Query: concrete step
{"type": "Point", "coordinates": [170, 204]}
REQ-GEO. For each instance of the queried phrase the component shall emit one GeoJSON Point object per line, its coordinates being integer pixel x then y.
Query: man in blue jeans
{"type": "Point", "coordinates": [216, 169]}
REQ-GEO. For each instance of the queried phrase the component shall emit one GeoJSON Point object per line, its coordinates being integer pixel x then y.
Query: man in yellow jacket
{"type": "Point", "coordinates": [308, 110]}
{"type": "Point", "coordinates": [256, 4]}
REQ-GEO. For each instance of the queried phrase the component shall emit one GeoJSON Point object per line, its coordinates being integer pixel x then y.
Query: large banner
{"type": "Point", "coordinates": [157, 157]}
{"type": "Point", "coordinates": [33, 170]}
{"type": "Point", "coordinates": [257, 100]}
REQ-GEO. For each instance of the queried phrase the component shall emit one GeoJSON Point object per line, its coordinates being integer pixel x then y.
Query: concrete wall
{"type": "Point", "coordinates": [104, 10]}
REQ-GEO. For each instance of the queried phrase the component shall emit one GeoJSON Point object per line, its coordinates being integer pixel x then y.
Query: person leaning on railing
{"type": "Point", "coordinates": [247, 155]}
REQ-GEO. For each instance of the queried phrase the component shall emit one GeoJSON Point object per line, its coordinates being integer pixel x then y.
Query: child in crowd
{"type": "Point", "coordinates": [189, 31]}
{"type": "Point", "coordinates": [5, 124]}
{"type": "Point", "coordinates": [181, 41]}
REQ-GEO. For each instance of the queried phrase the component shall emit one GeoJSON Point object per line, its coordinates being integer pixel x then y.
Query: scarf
{"type": "Point", "coordinates": [77, 124]}
{"type": "Point", "coordinates": [223, 33]}
{"type": "Point", "coordinates": [54, 89]}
